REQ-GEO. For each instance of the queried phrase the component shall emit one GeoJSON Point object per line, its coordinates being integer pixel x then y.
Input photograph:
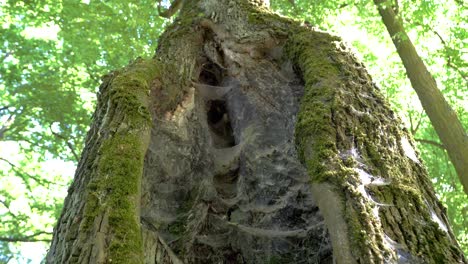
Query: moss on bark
{"type": "Point", "coordinates": [114, 192]}
{"type": "Point", "coordinates": [352, 146]}
{"type": "Point", "coordinates": [101, 215]}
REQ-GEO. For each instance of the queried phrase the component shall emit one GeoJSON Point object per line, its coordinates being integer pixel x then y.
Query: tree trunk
{"type": "Point", "coordinates": [443, 118]}
{"type": "Point", "coordinates": [269, 144]}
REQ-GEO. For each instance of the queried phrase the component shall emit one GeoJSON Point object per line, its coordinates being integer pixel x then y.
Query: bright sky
{"type": "Point", "coordinates": [52, 167]}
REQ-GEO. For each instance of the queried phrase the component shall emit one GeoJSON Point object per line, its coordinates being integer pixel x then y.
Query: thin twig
{"type": "Point", "coordinates": [411, 124]}
{"type": "Point", "coordinates": [30, 238]}
{"type": "Point", "coordinates": [23, 175]}
{"type": "Point", "coordinates": [7, 206]}
{"type": "Point", "coordinates": [415, 129]}
{"type": "Point", "coordinates": [69, 145]}
{"type": "Point", "coordinates": [93, 76]}
{"type": "Point", "coordinates": [446, 47]}
{"type": "Point", "coordinates": [430, 142]}
{"type": "Point", "coordinates": [5, 107]}
{"type": "Point", "coordinates": [449, 58]}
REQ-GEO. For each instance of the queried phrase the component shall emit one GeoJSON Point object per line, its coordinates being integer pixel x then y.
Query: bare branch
{"type": "Point", "coordinates": [4, 128]}
{"type": "Point", "coordinates": [69, 145]}
{"type": "Point", "coordinates": [450, 64]}
{"type": "Point", "coordinates": [411, 124]}
{"type": "Point", "coordinates": [30, 238]}
{"type": "Point", "coordinates": [7, 206]}
{"type": "Point", "coordinates": [413, 128]}
{"type": "Point", "coordinates": [24, 175]}
{"type": "Point", "coordinates": [11, 118]}
{"type": "Point", "coordinates": [351, 3]}
{"type": "Point", "coordinates": [5, 108]}
{"type": "Point", "coordinates": [35, 144]}
{"type": "Point", "coordinates": [449, 59]}
{"type": "Point", "coordinates": [430, 142]}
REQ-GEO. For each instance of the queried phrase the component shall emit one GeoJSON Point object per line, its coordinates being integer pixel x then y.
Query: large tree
{"type": "Point", "coordinates": [248, 138]}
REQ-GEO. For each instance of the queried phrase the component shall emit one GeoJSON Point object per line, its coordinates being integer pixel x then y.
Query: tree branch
{"type": "Point", "coordinates": [175, 6]}
{"type": "Point", "coordinates": [7, 122]}
{"type": "Point", "coordinates": [413, 128]}
{"type": "Point", "coordinates": [5, 108]}
{"type": "Point", "coordinates": [446, 47]}
{"type": "Point", "coordinates": [7, 206]}
{"type": "Point", "coordinates": [419, 122]}
{"type": "Point", "coordinates": [460, 2]}
{"type": "Point", "coordinates": [30, 238]}
{"type": "Point", "coordinates": [69, 145]}
{"type": "Point", "coordinates": [7, 55]}
{"type": "Point", "coordinates": [91, 74]}
{"type": "Point", "coordinates": [411, 124]}
{"type": "Point", "coordinates": [24, 175]}
{"type": "Point", "coordinates": [35, 144]}
{"type": "Point", "coordinates": [430, 142]}
{"type": "Point", "coordinates": [11, 118]}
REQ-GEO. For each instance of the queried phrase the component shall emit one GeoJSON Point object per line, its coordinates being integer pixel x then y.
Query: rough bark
{"type": "Point", "coordinates": [443, 118]}
{"type": "Point", "coordinates": [265, 134]}
{"type": "Point", "coordinates": [100, 221]}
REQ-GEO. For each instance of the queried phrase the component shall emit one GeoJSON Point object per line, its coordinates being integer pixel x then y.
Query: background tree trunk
{"type": "Point", "coordinates": [247, 107]}
{"type": "Point", "coordinates": [443, 118]}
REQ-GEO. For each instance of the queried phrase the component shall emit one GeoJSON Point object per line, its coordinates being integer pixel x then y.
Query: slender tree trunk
{"type": "Point", "coordinates": [443, 118]}
{"type": "Point", "coordinates": [269, 144]}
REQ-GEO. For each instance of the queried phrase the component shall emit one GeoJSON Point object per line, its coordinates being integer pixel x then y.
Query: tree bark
{"type": "Point", "coordinates": [443, 118]}
{"type": "Point", "coordinates": [269, 144]}
{"type": "Point", "coordinates": [100, 220]}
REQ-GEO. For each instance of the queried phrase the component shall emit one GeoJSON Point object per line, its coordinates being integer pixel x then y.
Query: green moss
{"type": "Point", "coordinates": [280, 259]}
{"type": "Point", "coordinates": [316, 131]}
{"type": "Point", "coordinates": [113, 193]}
{"type": "Point", "coordinates": [311, 51]}
{"type": "Point", "coordinates": [92, 209]}
{"type": "Point", "coordinates": [178, 227]}
{"type": "Point", "coordinates": [117, 192]}
{"type": "Point", "coordinates": [258, 14]}
{"type": "Point", "coordinates": [338, 114]}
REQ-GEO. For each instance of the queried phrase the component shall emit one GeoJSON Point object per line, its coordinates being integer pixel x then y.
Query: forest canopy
{"type": "Point", "coordinates": [55, 52]}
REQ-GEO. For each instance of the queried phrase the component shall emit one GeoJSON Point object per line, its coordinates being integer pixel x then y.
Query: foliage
{"type": "Point", "coordinates": [54, 52]}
